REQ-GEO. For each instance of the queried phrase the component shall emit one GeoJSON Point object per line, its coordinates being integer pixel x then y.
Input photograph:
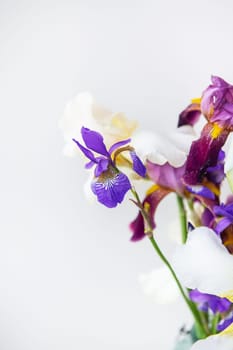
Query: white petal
{"type": "Point", "coordinates": [159, 286]}
{"type": "Point", "coordinates": [204, 263]}
{"type": "Point", "coordinates": [158, 148]}
{"type": "Point", "coordinates": [215, 342]}
{"type": "Point", "coordinates": [84, 111]}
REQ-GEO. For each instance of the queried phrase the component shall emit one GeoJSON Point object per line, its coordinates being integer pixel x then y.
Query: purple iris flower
{"type": "Point", "coordinates": [217, 103]}
{"type": "Point", "coordinates": [217, 107]}
{"type": "Point", "coordinates": [167, 179]}
{"type": "Point", "coordinates": [109, 185]}
{"type": "Point", "coordinates": [210, 302]}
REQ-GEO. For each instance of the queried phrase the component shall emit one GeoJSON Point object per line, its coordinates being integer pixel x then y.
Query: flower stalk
{"type": "Point", "coordinates": [183, 218]}
{"type": "Point", "coordinates": [202, 330]}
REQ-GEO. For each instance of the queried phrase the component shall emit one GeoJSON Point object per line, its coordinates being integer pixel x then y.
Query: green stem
{"type": "Point", "coordinates": [149, 232]}
{"type": "Point", "coordinates": [183, 218]}
{"type": "Point", "coordinates": [215, 323]}
{"type": "Point", "coordinates": [191, 306]}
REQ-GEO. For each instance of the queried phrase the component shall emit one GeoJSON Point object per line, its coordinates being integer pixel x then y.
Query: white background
{"type": "Point", "coordinates": [68, 273]}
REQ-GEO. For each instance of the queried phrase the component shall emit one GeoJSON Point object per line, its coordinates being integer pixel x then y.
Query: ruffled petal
{"type": "Point", "coordinates": [204, 263]}
{"type": "Point", "coordinates": [160, 149]}
{"type": "Point", "coordinates": [217, 103]}
{"type": "Point", "coordinates": [94, 141]}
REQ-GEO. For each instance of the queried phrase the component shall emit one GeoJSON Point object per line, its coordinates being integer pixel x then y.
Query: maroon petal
{"type": "Point", "coordinates": [190, 115]}
{"type": "Point", "coordinates": [150, 203]}
{"type": "Point", "coordinates": [204, 153]}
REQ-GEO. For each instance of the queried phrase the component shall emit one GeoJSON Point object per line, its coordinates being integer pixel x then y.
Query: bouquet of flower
{"type": "Point", "coordinates": [191, 165]}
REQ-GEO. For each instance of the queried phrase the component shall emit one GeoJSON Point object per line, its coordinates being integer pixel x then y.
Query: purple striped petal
{"type": "Point", "coordinates": [190, 115]}
{"type": "Point", "coordinates": [94, 141]}
{"type": "Point", "coordinates": [201, 191]}
{"type": "Point", "coordinates": [203, 154]}
{"type": "Point", "coordinates": [111, 187]}
{"type": "Point", "coordinates": [138, 166]}
{"type": "Point", "coordinates": [118, 145]}
{"type": "Point", "coordinates": [151, 202]}
{"type": "Point", "coordinates": [86, 151]}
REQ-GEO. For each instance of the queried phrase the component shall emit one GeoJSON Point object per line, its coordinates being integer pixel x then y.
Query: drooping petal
{"type": "Point", "coordinates": [204, 263]}
{"type": "Point", "coordinates": [204, 153]}
{"type": "Point", "coordinates": [190, 115]}
{"type": "Point", "coordinates": [94, 141]}
{"type": "Point", "coordinates": [166, 176]}
{"type": "Point", "coordinates": [150, 203]}
{"type": "Point", "coordinates": [110, 187]}
{"type": "Point", "coordinates": [138, 166]}
{"type": "Point", "coordinates": [118, 145]}
{"type": "Point", "coordinates": [86, 151]}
